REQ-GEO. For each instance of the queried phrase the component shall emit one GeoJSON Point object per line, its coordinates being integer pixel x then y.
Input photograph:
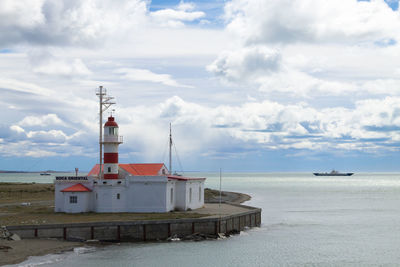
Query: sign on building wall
{"type": "Point", "coordinates": [71, 178]}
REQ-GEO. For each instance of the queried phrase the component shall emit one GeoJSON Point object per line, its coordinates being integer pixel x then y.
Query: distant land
{"type": "Point", "coordinates": [49, 171]}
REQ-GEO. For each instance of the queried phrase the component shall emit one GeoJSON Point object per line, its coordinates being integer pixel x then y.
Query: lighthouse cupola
{"type": "Point", "coordinates": [111, 143]}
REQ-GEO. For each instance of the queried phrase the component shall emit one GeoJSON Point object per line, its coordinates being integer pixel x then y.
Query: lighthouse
{"type": "Point", "coordinates": [111, 143]}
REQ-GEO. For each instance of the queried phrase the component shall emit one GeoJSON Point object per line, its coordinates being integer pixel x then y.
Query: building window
{"type": "Point", "coordinates": [200, 193]}
{"type": "Point", "coordinates": [96, 195]}
{"type": "Point", "coordinates": [118, 196]}
{"type": "Point", "coordinates": [190, 195]}
{"type": "Point", "coordinates": [172, 195]}
{"type": "Point", "coordinates": [109, 169]}
{"type": "Point", "coordinates": [73, 199]}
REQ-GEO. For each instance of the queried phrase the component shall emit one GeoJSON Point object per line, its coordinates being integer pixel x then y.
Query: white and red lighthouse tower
{"type": "Point", "coordinates": [111, 143]}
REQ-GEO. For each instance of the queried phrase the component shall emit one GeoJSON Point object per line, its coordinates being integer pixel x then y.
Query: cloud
{"type": "Point", "coordinates": [23, 87]}
{"type": "Point", "coordinates": [52, 136]}
{"type": "Point", "coordinates": [43, 121]}
{"type": "Point", "coordinates": [264, 125]}
{"type": "Point", "coordinates": [143, 75]}
{"type": "Point", "coordinates": [176, 17]}
{"type": "Point", "coordinates": [311, 49]}
{"type": "Point", "coordinates": [44, 62]}
{"type": "Point", "coordinates": [246, 63]}
{"type": "Point", "coordinates": [221, 131]}
{"type": "Point", "coordinates": [66, 22]}
{"type": "Point", "coordinates": [259, 21]}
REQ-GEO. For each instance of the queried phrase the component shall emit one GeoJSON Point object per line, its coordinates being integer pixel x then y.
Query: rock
{"type": "Point", "coordinates": [4, 233]}
{"type": "Point", "coordinates": [15, 237]}
{"type": "Point", "coordinates": [232, 232]}
{"type": "Point", "coordinates": [173, 238]}
{"type": "Point", "coordinates": [199, 237]}
{"type": "Point", "coordinates": [221, 235]}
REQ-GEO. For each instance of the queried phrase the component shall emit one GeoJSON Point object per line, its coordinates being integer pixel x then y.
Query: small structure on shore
{"type": "Point", "coordinates": [115, 187]}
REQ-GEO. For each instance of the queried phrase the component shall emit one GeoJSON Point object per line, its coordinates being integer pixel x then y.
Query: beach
{"type": "Point", "coordinates": [12, 252]}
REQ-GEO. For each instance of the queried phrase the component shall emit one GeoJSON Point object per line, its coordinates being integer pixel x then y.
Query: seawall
{"type": "Point", "coordinates": [145, 230]}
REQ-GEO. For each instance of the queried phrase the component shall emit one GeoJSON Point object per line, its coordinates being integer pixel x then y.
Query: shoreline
{"type": "Point", "coordinates": [19, 251]}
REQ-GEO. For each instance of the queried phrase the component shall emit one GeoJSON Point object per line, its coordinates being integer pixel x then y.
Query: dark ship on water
{"type": "Point", "coordinates": [333, 173]}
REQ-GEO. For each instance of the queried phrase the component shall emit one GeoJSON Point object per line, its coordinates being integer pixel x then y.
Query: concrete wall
{"type": "Point", "coordinates": [141, 230]}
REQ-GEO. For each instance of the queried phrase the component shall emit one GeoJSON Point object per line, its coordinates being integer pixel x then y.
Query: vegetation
{"type": "Point", "coordinates": [30, 203]}
{"type": "Point", "coordinates": [25, 192]}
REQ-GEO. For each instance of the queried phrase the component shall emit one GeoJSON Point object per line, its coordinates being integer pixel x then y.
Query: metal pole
{"type": "Point", "coordinates": [220, 198]}
{"type": "Point", "coordinates": [101, 130]}
{"type": "Point", "coordinates": [220, 192]}
{"type": "Point", "coordinates": [170, 150]}
{"type": "Point", "coordinates": [105, 103]}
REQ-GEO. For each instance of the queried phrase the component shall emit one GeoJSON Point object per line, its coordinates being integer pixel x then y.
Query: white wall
{"type": "Point", "coordinates": [180, 193]}
{"type": "Point", "coordinates": [82, 205]}
{"type": "Point", "coordinates": [106, 196]}
{"type": "Point", "coordinates": [171, 189]}
{"type": "Point", "coordinates": [147, 194]}
{"type": "Point", "coordinates": [62, 184]}
{"type": "Point", "coordinates": [196, 200]}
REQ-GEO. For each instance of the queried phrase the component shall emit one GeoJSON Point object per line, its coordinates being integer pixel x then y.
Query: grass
{"type": "Point", "coordinates": [212, 194]}
{"type": "Point", "coordinates": [41, 208]}
{"type": "Point", "coordinates": [25, 192]}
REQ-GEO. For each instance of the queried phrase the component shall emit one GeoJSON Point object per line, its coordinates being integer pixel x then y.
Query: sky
{"type": "Point", "coordinates": [248, 85]}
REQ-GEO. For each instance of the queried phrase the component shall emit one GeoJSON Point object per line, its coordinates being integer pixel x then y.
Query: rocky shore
{"type": "Point", "coordinates": [13, 252]}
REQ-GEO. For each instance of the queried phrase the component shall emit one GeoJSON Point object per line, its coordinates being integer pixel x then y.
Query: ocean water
{"type": "Point", "coordinates": [306, 221]}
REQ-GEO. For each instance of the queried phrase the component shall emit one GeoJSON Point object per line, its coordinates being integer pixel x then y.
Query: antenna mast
{"type": "Point", "coordinates": [170, 149]}
{"type": "Point", "coordinates": [104, 103]}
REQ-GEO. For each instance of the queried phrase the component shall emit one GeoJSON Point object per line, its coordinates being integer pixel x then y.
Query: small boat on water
{"type": "Point", "coordinates": [45, 173]}
{"type": "Point", "coordinates": [333, 173]}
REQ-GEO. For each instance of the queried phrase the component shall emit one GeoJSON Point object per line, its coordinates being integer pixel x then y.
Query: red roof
{"type": "Point", "coordinates": [95, 170]}
{"type": "Point", "coordinates": [133, 168]}
{"type": "Point", "coordinates": [181, 178]}
{"type": "Point", "coordinates": [111, 122]}
{"type": "Point", "coordinates": [142, 168]}
{"type": "Point", "coordinates": [76, 188]}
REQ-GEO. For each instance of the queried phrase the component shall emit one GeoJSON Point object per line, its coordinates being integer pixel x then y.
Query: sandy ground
{"type": "Point", "coordinates": [13, 252]}
{"type": "Point", "coordinates": [19, 251]}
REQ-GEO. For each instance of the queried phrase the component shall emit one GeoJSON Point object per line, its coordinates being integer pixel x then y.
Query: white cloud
{"type": "Point", "coordinates": [43, 121]}
{"type": "Point", "coordinates": [47, 63]}
{"type": "Point", "coordinates": [176, 17]}
{"type": "Point", "coordinates": [246, 64]}
{"type": "Point", "coordinates": [23, 87]}
{"type": "Point", "coordinates": [66, 22]}
{"type": "Point", "coordinates": [17, 129]}
{"type": "Point", "coordinates": [371, 126]}
{"type": "Point", "coordinates": [310, 48]}
{"type": "Point", "coordinates": [260, 21]}
{"type": "Point", "coordinates": [52, 136]}
{"type": "Point", "coordinates": [143, 75]}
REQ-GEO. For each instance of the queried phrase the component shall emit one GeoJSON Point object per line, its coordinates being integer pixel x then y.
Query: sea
{"type": "Point", "coordinates": [306, 221]}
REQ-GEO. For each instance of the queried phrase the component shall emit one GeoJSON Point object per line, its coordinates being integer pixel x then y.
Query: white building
{"type": "Point", "coordinates": [126, 187]}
